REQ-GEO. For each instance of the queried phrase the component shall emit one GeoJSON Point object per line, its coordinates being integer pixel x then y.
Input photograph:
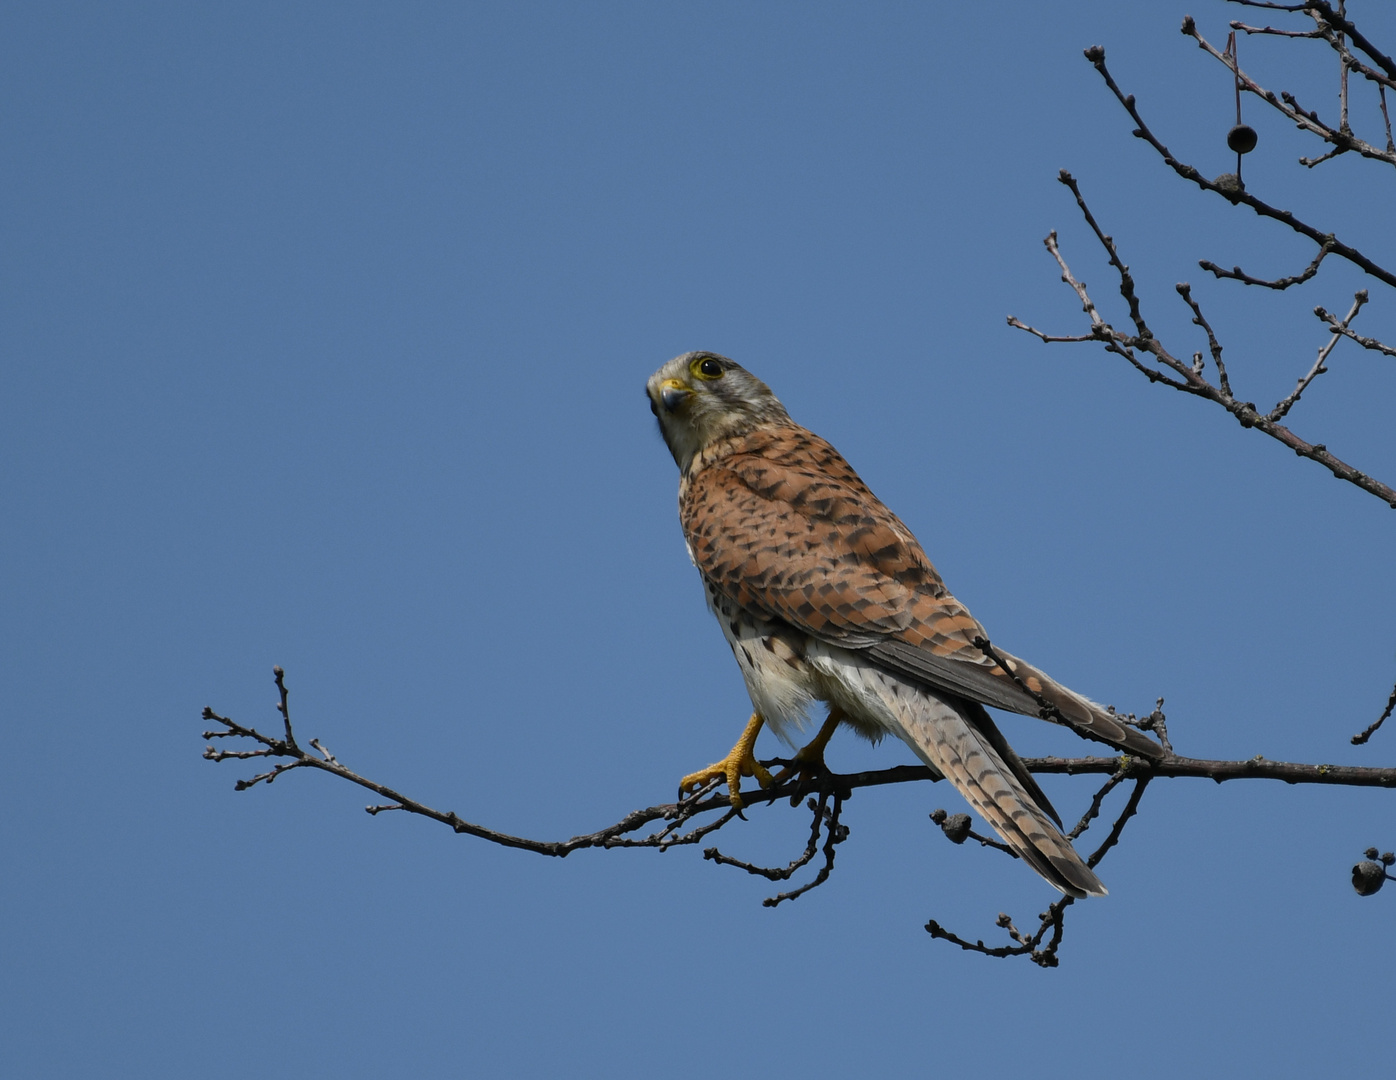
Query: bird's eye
{"type": "Point", "coordinates": [708, 368]}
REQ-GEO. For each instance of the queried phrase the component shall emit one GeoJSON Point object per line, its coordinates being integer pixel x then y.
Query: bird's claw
{"type": "Point", "coordinates": [809, 759]}
{"type": "Point", "coordinates": [741, 761]}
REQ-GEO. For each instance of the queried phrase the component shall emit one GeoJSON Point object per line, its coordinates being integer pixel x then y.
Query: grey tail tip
{"type": "Point", "coordinates": [1077, 879]}
{"type": "Point", "coordinates": [1129, 740]}
{"type": "Point", "coordinates": [1146, 746]}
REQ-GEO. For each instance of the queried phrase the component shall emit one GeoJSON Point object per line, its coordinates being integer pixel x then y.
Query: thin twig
{"type": "Point", "coordinates": [1310, 162]}
{"type": "Point", "coordinates": [1285, 404]}
{"type": "Point", "coordinates": [821, 813]}
{"type": "Point", "coordinates": [1093, 811]}
{"type": "Point", "coordinates": [1108, 243]}
{"type": "Point", "coordinates": [281, 706]}
{"type": "Point", "coordinates": [1100, 330]}
{"type": "Point", "coordinates": [1370, 729]}
{"type": "Point", "coordinates": [1051, 338]}
{"type": "Point", "coordinates": [1343, 57]}
{"type": "Point", "coordinates": [1131, 808]}
{"type": "Point", "coordinates": [1339, 327]}
{"type": "Point", "coordinates": [1237, 274]}
{"type": "Point", "coordinates": [1274, 32]}
{"type": "Point", "coordinates": [1052, 919]}
{"type": "Point", "coordinates": [1155, 722]}
{"type": "Point", "coordinates": [956, 828]}
{"type": "Point", "coordinates": [1198, 319]}
{"type": "Point", "coordinates": [835, 834]}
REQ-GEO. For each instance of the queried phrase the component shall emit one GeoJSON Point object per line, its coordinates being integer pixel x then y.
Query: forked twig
{"type": "Point", "coordinates": [1189, 378]}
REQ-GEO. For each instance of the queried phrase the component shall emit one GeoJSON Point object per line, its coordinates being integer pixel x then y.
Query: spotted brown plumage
{"type": "Point", "coordinates": [824, 595]}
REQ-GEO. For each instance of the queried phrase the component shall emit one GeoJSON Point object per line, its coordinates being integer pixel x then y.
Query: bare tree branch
{"type": "Point", "coordinates": [1191, 379]}
{"type": "Point", "coordinates": [1324, 11]}
{"type": "Point", "coordinates": [672, 816]}
{"type": "Point", "coordinates": [1053, 918]}
{"type": "Point", "coordinates": [1336, 30]}
{"type": "Point", "coordinates": [1100, 330]}
{"type": "Point", "coordinates": [669, 825]}
{"type": "Point", "coordinates": [1232, 191]}
{"type": "Point", "coordinates": [1341, 137]}
{"type": "Point", "coordinates": [1331, 24]}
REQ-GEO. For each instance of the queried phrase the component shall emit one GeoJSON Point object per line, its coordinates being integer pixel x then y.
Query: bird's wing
{"type": "Point", "coordinates": [1003, 691]}
{"type": "Point", "coordinates": [783, 526]}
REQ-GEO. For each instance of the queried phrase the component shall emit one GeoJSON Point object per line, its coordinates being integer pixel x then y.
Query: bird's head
{"type": "Point", "coordinates": [701, 397]}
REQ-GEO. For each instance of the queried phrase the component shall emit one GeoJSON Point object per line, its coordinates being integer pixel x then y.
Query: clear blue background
{"type": "Point", "coordinates": [324, 331]}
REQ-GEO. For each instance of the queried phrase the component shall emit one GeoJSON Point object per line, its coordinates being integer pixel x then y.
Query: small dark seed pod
{"type": "Point", "coordinates": [1242, 138]}
{"type": "Point", "coordinates": [1367, 877]}
{"type": "Point", "coordinates": [956, 827]}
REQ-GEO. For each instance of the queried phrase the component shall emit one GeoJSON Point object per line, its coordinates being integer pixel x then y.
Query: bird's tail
{"type": "Point", "coordinates": [1084, 715]}
{"type": "Point", "coordinates": [958, 739]}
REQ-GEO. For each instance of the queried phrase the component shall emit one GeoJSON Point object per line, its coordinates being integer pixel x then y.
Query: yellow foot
{"type": "Point", "coordinates": [810, 759]}
{"type": "Point", "coordinates": [740, 762]}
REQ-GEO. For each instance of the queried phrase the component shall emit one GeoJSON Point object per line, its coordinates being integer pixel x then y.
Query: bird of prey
{"type": "Point", "coordinates": [824, 595]}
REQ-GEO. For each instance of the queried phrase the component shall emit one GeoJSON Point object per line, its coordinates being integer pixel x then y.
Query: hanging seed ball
{"type": "Point", "coordinates": [1242, 138]}
{"type": "Point", "coordinates": [1367, 878]}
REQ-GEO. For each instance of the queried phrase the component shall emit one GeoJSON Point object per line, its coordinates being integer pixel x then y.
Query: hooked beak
{"type": "Point", "coordinates": [672, 394]}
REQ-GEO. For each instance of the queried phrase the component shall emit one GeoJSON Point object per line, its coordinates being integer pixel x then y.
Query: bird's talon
{"type": "Point", "coordinates": [741, 761]}
{"type": "Point", "coordinates": [809, 760]}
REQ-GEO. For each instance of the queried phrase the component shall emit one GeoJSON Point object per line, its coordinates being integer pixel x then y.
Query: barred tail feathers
{"type": "Point", "coordinates": [949, 739]}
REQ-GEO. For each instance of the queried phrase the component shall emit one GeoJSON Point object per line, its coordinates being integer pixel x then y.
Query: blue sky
{"type": "Point", "coordinates": [324, 338]}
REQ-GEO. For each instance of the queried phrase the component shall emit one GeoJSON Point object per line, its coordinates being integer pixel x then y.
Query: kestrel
{"type": "Point", "coordinates": [824, 595]}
